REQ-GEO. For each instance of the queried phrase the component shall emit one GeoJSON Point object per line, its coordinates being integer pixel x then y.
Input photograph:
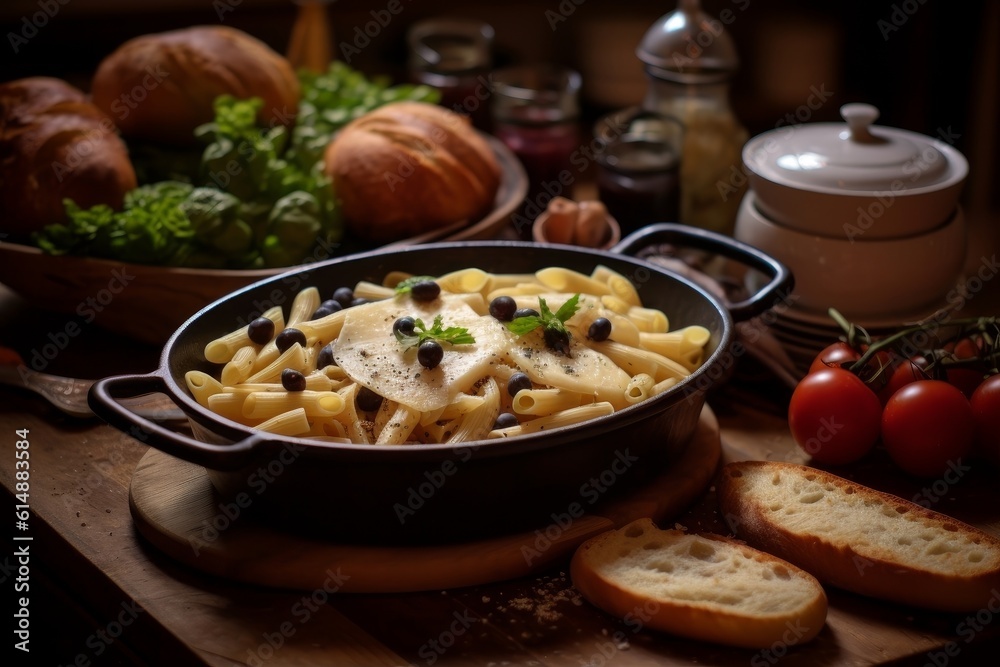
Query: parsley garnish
{"type": "Point", "coordinates": [554, 324]}
{"type": "Point", "coordinates": [452, 335]}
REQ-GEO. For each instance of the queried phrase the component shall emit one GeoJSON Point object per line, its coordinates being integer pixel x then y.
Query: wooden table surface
{"type": "Point", "coordinates": [100, 595]}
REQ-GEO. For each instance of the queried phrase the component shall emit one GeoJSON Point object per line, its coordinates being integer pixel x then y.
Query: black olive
{"type": "Point", "coordinates": [557, 339]}
{"type": "Point", "coordinates": [506, 420]}
{"type": "Point", "coordinates": [328, 307]}
{"type": "Point", "coordinates": [293, 380]}
{"type": "Point", "coordinates": [525, 312]}
{"type": "Point", "coordinates": [599, 329]}
{"type": "Point", "coordinates": [404, 325]}
{"type": "Point", "coordinates": [368, 400]}
{"type": "Point", "coordinates": [517, 382]}
{"type": "Point", "coordinates": [325, 357]}
{"type": "Point", "coordinates": [344, 296]}
{"type": "Point", "coordinates": [503, 308]}
{"type": "Point", "coordinates": [260, 330]}
{"type": "Point", "coordinates": [425, 290]}
{"type": "Point", "coordinates": [358, 301]}
{"type": "Point", "coordinates": [289, 337]}
{"type": "Point", "coordinates": [430, 353]}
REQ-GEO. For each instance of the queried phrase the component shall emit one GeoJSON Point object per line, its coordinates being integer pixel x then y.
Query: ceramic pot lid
{"type": "Point", "coordinates": [858, 156]}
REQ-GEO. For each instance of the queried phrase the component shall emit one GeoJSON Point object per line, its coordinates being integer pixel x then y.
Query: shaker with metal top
{"type": "Point", "coordinates": [690, 60]}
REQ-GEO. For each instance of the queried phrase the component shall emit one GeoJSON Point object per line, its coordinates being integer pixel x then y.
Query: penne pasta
{"type": "Point", "coordinates": [640, 387]}
{"type": "Point", "coordinates": [685, 345]}
{"type": "Point", "coordinates": [304, 305]}
{"type": "Point", "coordinates": [565, 280]}
{"type": "Point", "coordinates": [202, 386]}
{"type": "Point", "coordinates": [240, 366]}
{"type": "Point", "coordinates": [356, 428]}
{"type": "Point", "coordinates": [663, 385]}
{"type": "Point", "coordinates": [222, 349]}
{"type": "Point", "coordinates": [398, 426]}
{"type": "Point", "coordinates": [230, 405]}
{"type": "Point", "coordinates": [462, 400]}
{"type": "Point", "coordinates": [327, 428]}
{"type": "Point", "coordinates": [294, 357]}
{"type": "Point", "coordinates": [637, 360]}
{"type": "Point", "coordinates": [505, 280]}
{"type": "Point", "coordinates": [325, 329]}
{"type": "Point", "coordinates": [541, 402]}
{"type": "Point", "coordinates": [393, 278]}
{"type": "Point", "coordinates": [557, 420]}
{"type": "Point", "coordinates": [291, 423]}
{"type": "Point", "coordinates": [648, 319]}
{"type": "Point", "coordinates": [521, 289]}
{"type": "Point", "coordinates": [269, 352]}
{"type": "Point", "coordinates": [615, 304]}
{"type": "Point", "coordinates": [465, 281]}
{"type": "Point", "coordinates": [369, 290]}
{"type": "Point", "coordinates": [267, 404]}
{"type": "Point", "coordinates": [620, 286]}
{"type": "Point", "coordinates": [476, 423]}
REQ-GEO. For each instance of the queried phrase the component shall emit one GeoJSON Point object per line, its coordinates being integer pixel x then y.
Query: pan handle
{"type": "Point", "coordinates": [102, 399]}
{"type": "Point", "coordinates": [780, 279]}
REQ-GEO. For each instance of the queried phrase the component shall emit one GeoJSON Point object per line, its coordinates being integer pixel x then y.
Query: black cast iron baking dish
{"type": "Point", "coordinates": [412, 494]}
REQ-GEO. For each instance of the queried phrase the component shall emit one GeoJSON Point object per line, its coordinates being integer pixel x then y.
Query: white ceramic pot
{"type": "Point", "coordinates": [873, 279]}
{"type": "Point", "coordinates": [855, 181]}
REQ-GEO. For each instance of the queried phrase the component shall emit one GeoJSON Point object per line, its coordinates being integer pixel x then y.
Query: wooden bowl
{"type": "Point", "coordinates": [148, 303]}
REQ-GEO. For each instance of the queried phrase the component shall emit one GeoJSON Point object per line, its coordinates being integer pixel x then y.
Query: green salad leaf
{"type": "Point", "coordinates": [258, 196]}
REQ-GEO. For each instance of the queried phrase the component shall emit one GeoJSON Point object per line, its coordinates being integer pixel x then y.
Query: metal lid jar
{"type": "Point", "coordinates": [690, 60]}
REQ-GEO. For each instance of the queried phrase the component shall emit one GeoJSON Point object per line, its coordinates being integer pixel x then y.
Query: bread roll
{"type": "Point", "coordinates": [160, 87]}
{"type": "Point", "coordinates": [54, 144]}
{"type": "Point", "coordinates": [860, 539]}
{"type": "Point", "coordinates": [703, 587]}
{"type": "Point", "coordinates": [408, 168]}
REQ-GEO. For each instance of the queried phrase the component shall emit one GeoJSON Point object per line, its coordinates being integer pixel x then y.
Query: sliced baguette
{"type": "Point", "coordinates": [705, 587]}
{"type": "Point", "coordinates": [854, 537]}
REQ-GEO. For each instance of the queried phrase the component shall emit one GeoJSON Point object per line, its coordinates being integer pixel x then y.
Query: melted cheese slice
{"type": "Point", "coordinates": [585, 371]}
{"type": "Point", "coordinates": [369, 353]}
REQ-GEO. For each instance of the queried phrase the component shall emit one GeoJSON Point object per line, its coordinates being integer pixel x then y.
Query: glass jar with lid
{"type": "Point", "coordinates": [454, 55]}
{"type": "Point", "coordinates": [690, 60]}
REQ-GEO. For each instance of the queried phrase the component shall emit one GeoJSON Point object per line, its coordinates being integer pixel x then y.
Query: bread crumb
{"type": "Point", "coordinates": [521, 604]}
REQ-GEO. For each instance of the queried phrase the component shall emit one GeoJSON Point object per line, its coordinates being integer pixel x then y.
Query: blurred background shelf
{"type": "Point", "coordinates": [930, 67]}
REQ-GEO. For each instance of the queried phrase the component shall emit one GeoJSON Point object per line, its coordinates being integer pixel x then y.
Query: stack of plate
{"type": "Point", "coordinates": [804, 333]}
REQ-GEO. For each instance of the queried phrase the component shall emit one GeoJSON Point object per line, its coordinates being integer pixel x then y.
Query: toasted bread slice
{"type": "Point", "coordinates": [705, 587]}
{"type": "Point", "coordinates": [854, 537]}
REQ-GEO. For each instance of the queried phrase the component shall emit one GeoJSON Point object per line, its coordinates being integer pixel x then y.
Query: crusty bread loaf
{"type": "Point", "coordinates": [55, 145]}
{"type": "Point", "coordinates": [860, 539]}
{"type": "Point", "coordinates": [160, 87]}
{"type": "Point", "coordinates": [705, 587]}
{"type": "Point", "coordinates": [408, 168]}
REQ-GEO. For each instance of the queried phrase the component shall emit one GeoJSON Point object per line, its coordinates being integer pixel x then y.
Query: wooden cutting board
{"type": "Point", "coordinates": [173, 505]}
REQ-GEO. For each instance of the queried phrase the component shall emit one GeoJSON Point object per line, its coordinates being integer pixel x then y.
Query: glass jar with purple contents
{"type": "Point", "coordinates": [638, 175]}
{"type": "Point", "coordinates": [535, 111]}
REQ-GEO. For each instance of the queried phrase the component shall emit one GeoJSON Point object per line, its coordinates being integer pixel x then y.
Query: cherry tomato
{"type": "Point", "coordinates": [834, 355]}
{"type": "Point", "coordinates": [985, 404]}
{"type": "Point", "coordinates": [834, 417]}
{"type": "Point", "coordinates": [966, 378]}
{"type": "Point", "coordinates": [969, 347]}
{"type": "Point", "coordinates": [926, 426]}
{"type": "Point", "coordinates": [910, 370]}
